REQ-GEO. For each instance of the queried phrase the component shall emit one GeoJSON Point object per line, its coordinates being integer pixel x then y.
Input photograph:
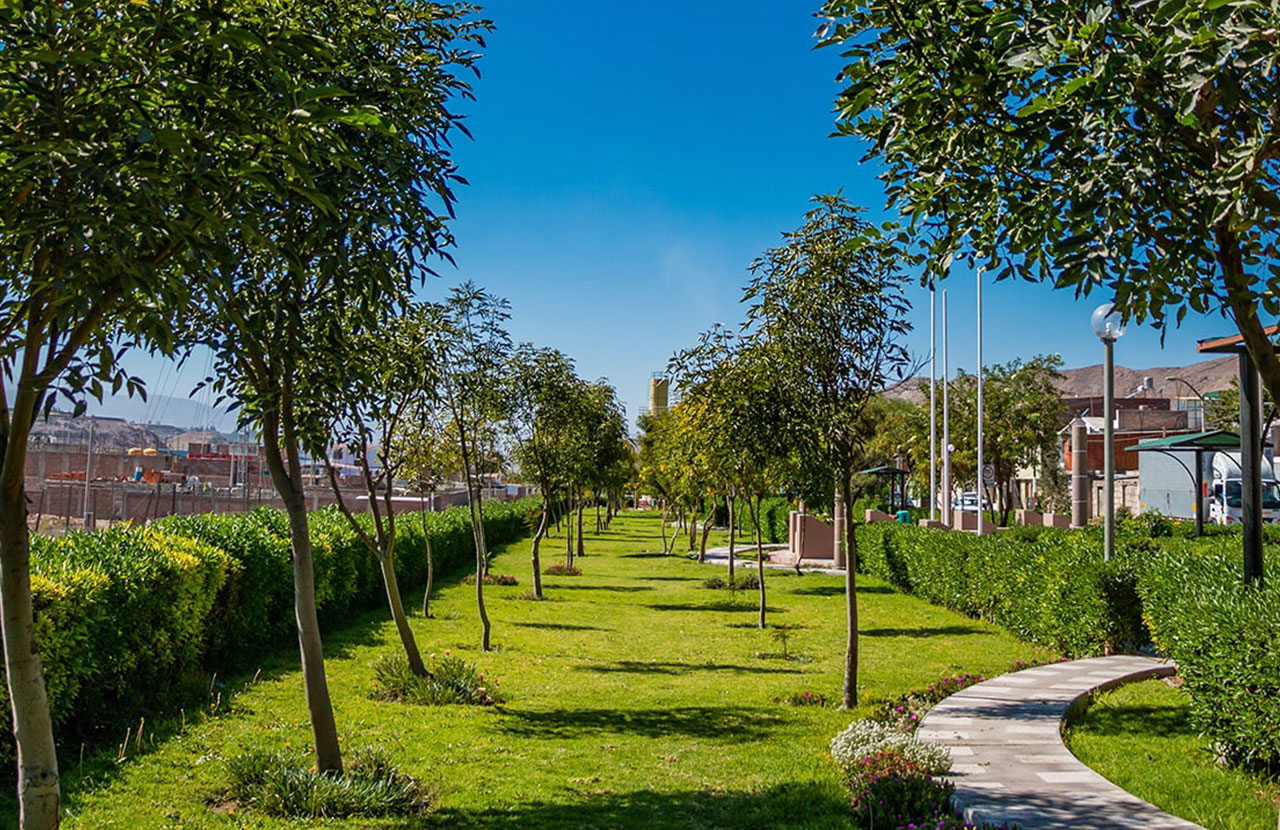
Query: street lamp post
{"type": "Point", "coordinates": [1109, 326]}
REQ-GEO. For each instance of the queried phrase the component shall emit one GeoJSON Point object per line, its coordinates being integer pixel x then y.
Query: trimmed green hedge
{"type": "Point", "coordinates": [1046, 586]}
{"type": "Point", "coordinates": [124, 614]}
{"type": "Point", "coordinates": [1225, 637]}
{"type": "Point", "coordinates": [1051, 587]}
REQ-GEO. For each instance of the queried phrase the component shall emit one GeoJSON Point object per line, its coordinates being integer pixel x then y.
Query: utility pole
{"type": "Point", "coordinates": [88, 476]}
{"type": "Point", "coordinates": [946, 419]}
{"type": "Point", "coordinates": [933, 405]}
{"type": "Point", "coordinates": [980, 465]}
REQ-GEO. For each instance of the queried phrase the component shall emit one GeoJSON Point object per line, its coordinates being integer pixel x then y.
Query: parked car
{"type": "Point", "coordinates": [966, 502]}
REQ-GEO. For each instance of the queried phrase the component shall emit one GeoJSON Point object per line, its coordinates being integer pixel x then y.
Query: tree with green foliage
{"type": "Point", "coordinates": [371, 404]}
{"type": "Point", "coordinates": [829, 305]}
{"type": "Point", "coordinates": [1128, 147]}
{"type": "Point", "coordinates": [1022, 411]}
{"type": "Point", "coordinates": [371, 129]}
{"type": "Point", "coordinates": [471, 348]}
{"type": "Point", "coordinates": [733, 422]}
{"type": "Point", "coordinates": [143, 138]}
{"type": "Point", "coordinates": [543, 385]}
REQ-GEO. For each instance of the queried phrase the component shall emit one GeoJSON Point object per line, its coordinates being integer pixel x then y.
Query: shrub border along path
{"type": "Point", "coordinates": [1010, 764]}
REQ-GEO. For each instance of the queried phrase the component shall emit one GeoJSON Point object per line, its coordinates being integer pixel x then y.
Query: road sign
{"type": "Point", "coordinates": [989, 474]}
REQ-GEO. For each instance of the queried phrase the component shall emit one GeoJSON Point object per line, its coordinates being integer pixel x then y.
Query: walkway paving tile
{"type": "Point", "coordinates": [1009, 762]}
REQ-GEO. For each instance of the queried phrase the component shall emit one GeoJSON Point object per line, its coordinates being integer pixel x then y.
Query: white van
{"type": "Point", "coordinates": [1224, 495]}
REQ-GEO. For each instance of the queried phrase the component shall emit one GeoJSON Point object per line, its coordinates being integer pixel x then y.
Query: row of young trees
{"type": "Point", "coordinates": [270, 181]}
{"type": "Point", "coordinates": [781, 405]}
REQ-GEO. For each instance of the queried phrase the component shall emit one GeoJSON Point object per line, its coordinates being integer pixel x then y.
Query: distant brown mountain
{"type": "Point", "coordinates": [1207, 376]}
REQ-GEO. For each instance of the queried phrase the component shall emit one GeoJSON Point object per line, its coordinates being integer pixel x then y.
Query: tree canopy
{"type": "Point", "coordinates": [1129, 147]}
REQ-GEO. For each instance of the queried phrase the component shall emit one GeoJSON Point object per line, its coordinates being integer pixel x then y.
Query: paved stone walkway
{"type": "Point", "coordinates": [777, 557]}
{"type": "Point", "coordinates": [1009, 764]}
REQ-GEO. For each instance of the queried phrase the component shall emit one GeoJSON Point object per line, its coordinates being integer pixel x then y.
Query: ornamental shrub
{"type": "Point", "coordinates": [889, 790]}
{"type": "Point", "coordinates": [1225, 637]}
{"type": "Point", "coordinates": [866, 738]}
{"type": "Point", "coordinates": [279, 784]}
{"type": "Point", "coordinates": [120, 614]}
{"type": "Point", "coordinates": [125, 614]}
{"type": "Point", "coordinates": [1046, 586]}
{"type": "Point", "coordinates": [746, 581]}
{"type": "Point", "coordinates": [448, 680]}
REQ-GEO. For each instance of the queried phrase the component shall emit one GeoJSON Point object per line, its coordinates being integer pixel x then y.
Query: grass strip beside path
{"type": "Point", "coordinates": [1140, 738]}
{"type": "Point", "coordinates": [635, 698]}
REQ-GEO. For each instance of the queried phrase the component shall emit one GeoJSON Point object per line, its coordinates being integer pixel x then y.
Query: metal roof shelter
{"type": "Point", "coordinates": [1200, 443]}
{"type": "Point", "coordinates": [897, 482]}
{"type": "Point", "coordinates": [1250, 445]}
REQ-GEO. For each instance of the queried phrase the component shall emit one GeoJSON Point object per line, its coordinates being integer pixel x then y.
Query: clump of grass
{"type": "Point", "coordinates": [532, 597]}
{"type": "Point", "coordinates": [741, 582]}
{"type": "Point", "coordinates": [280, 784]}
{"type": "Point", "coordinates": [492, 579]}
{"type": "Point", "coordinates": [449, 680]}
{"type": "Point", "coordinates": [561, 569]}
{"type": "Point", "coordinates": [805, 698]}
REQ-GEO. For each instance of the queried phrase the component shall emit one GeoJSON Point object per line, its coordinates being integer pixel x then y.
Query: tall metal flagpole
{"type": "Point", "coordinates": [946, 419]}
{"type": "Point", "coordinates": [933, 405]}
{"type": "Point", "coordinates": [980, 467]}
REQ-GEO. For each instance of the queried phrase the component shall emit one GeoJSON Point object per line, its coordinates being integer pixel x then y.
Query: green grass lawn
{"type": "Point", "coordinates": [635, 698]}
{"type": "Point", "coordinates": [1140, 736]}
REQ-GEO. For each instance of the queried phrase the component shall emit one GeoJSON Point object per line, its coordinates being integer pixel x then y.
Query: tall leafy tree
{"type": "Point", "coordinates": [369, 130]}
{"type": "Point", "coordinates": [140, 138]}
{"type": "Point", "coordinates": [543, 386]}
{"type": "Point", "coordinates": [829, 305]}
{"type": "Point", "coordinates": [372, 400]}
{"type": "Point", "coordinates": [471, 349]}
{"type": "Point", "coordinates": [1130, 147]}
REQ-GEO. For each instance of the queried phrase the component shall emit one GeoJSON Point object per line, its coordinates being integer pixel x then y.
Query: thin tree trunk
{"type": "Point", "coordinates": [800, 542]}
{"type": "Point", "coordinates": [537, 539]}
{"type": "Point", "coordinates": [706, 531]}
{"type": "Point", "coordinates": [599, 527]}
{"type": "Point", "coordinates": [39, 792]}
{"type": "Point", "coordinates": [693, 529]}
{"type": "Point", "coordinates": [426, 538]}
{"type": "Point", "coordinates": [732, 518]}
{"type": "Point", "coordinates": [850, 689]}
{"type": "Point", "coordinates": [319, 707]}
{"type": "Point", "coordinates": [755, 517]}
{"type": "Point", "coordinates": [581, 506]}
{"type": "Point", "coordinates": [663, 525]}
{"type": "Point", "coordinates": [568, 533]}
{"type": "Point", "coordinates": [411, 653]}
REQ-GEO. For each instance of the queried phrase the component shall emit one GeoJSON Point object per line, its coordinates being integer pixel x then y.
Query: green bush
{"type": "Point", "coordinates": [125, 614]}
{"type": "Point", "coordinates": [1046, 586]}
{"type": "Point", "coordinates": [282, 785]}
{"type": "Point", "coordinates": [1225, 637]}
{"type": "Point", "coordinates": [1052, 587]}
{"type": "Point", "coordinates": [748, 581]}
{"type": "Point", "coordinates": [448, 680]}
{"type": "Point", "coordinates": [120, 614]}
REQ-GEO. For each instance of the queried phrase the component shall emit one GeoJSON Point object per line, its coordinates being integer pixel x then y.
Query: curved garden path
{"type": "Point", "coordinates": [1010, 764]}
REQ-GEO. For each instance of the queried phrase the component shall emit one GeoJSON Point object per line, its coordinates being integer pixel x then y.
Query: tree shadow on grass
{"type": "Point", "coordinates": [622, 589]}
{"type": "Point", "coordinates": [1135, 720]}
{"type": "Point", "coordinates": [669, 578]}
{"type": "Point", "coordinates": [642, 667]}
{"type": "Point", "coordinates": [649, 555]}
{"type": "Point", "coordinates": [560, 626]}
{"type": "Point", "coordinates": [838, 590]}
{"type": "Point", "coordinates": [721, 605]}
{"type": "Point", "coordinates": [938, 631]}
{"type": "Point", "coordinates": [731, 723]}
{"type": "Point", "coordinates": [783, 805]}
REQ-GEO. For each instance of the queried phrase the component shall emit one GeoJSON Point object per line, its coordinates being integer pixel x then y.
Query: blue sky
{"type": "Point", "coordinates": [629, 161]}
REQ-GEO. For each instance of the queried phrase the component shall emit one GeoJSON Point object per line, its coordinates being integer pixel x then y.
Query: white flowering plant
{"type": "Point", "coordinates": [865, 738]}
